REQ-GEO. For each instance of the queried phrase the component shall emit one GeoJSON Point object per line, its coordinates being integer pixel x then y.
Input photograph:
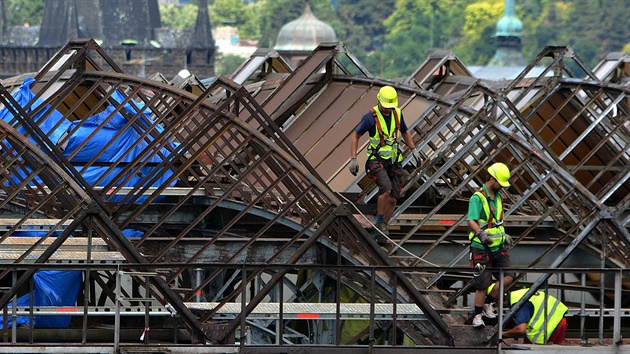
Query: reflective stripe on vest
{"type": "Point", "coordinates": [555, 312]}
{"type": "Point", "coordinates": [385, 146]}
{"type": "Point", "coordinates": [492, 227]}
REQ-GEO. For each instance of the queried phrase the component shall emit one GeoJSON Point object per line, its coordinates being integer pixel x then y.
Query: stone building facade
{"type": "Point", "coordinates": [130, 32]}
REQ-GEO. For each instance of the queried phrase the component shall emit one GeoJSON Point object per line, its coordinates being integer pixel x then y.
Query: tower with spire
{"type": "Point", "coordinates": [130, 32]}
{"type": "Point", "coordinates": [508, 39]}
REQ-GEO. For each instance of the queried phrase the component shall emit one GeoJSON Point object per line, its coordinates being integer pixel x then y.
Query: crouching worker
{"type": "Point", "coordinates": [530, 319]}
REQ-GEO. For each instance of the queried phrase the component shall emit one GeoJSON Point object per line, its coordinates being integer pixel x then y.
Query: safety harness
{"type": "Point", "coordinates": [490, 221]}
{"type": "Point", "coordinates": [492, 210]}
{"type": "Point", "coordinates": [380, 128]}
{"type": "Point", "coordinates": [391, 135]}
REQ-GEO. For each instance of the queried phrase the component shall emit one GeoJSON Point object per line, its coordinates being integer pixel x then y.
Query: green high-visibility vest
{"type": "Point", "coordinates": [495, 226]}
{"type": "Point", "coordinates": [385, 146]}
{"type": "Point", "coordinates": [554, 313]}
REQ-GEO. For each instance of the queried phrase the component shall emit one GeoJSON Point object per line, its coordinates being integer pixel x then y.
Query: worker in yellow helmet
{"type": "Point", "coordinates": [488, 240]}
{"type": "Point", "coordinates": [385, 124]}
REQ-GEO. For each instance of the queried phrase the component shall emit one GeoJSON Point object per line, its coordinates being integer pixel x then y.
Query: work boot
{"type": "Point", "coordinates": [488, 311]}
{"type": "Point", "coordinates": [382, 227]}
{"type": "Point", "coordinates": [478, 321]}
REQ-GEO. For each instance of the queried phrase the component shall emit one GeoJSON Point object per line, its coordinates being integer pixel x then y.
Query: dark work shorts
{"type": "Point", "coordinates": [386, 175]}
{"type": "Point", "coordinates": [499, 259]}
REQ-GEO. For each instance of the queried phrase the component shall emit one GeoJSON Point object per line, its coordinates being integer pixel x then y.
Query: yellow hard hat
{"type": "Point", "coordinates": [501, 173]}
{"type": "Point", "coordinates": [387, 97]}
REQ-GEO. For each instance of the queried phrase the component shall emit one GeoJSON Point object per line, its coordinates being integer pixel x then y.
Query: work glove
{"type": "Point", "coordinates": [484, 237]}
{"type": "Point", "coordinates": [416, 155]}
{"type": "Point", "coordinates": [508, 240]}
{"type": "Point", "coordinates": [354, 166]}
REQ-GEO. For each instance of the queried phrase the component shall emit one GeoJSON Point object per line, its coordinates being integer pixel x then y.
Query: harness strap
{"type": "Point", "coordinates": [394, 134]}
{"type": "Point", "coordinates": [492, 210]}
{"type": "Point", "coordinates": [378, 126]}
{"type": "Point", "coordinates": [397, 123]}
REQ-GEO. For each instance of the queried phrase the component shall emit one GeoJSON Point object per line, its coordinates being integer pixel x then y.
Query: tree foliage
{"type": "Point", "coordinates": [414, 28]}
{"type": "Point", "coordinates": [362, 22]}
{"type": "Point", "coordinates": [22, 12]}
{"type": "Point", "coordinates": [480, 19]}
{"type": "Point", "coordinates": [392, 37]}
{"type": "Point", "coordinates": [227, 64]}
{"type": "Point", "coordinates": [178, 17]}
{"type": "Point", "coordinates": [237, 13]}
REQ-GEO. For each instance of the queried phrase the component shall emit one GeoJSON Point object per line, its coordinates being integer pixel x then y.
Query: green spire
{"type": "Point", "coordinates": [509, 25]}
{"type": "Point", "coordinates": [508, 39]}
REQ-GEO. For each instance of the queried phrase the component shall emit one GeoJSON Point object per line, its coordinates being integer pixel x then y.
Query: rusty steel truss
{"type": "Point", "coordinates": [229, 176]}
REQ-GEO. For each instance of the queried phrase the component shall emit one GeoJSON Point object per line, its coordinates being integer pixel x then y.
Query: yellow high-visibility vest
{"type": "Point", "coordinates": [554, 313]}
{"type": "Point", "coordinates": [384, 142]}
{"type": "Point", "coordinates": [492, 224]}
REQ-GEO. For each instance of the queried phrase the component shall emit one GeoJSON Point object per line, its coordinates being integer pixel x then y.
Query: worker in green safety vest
{"type": "Point", "coordinates": [488, 240]}
{"type": "Point", "coordinates": [539, 324]}
{"type": "Point", "coordinates": [385, 124]}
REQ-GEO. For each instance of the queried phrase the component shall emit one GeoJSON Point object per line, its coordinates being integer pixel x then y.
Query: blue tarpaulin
{"type": "Point", "coordinates": [122, 148]}
{"type": "Point", "coordinates": [23, 96]}
{"type": "Point", "coordinates": [52, 288]}
{"type": "Point", "coordinates": [124, 144]}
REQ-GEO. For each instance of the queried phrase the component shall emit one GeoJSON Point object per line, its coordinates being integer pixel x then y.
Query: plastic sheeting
{"type": "Point", "coordinates": [61, 288]}
{"type": "Point", "coordinates": [123, 144]}
{"type": "Point", "coordinates": [51, 288]}
{"type": "Point", "coordinates": [23, 96]}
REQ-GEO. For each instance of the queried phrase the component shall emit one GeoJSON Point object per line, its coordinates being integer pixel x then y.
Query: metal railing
{"type": "Point", "coordinates": [313, 307]}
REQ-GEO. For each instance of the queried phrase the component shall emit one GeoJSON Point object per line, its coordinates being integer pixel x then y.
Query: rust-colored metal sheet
{"type": "Point", "coordinates": [263, 65]}
{"type": "Point", "coordinates": [437, 67]}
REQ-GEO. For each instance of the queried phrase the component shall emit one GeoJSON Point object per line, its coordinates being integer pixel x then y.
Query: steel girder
{"type": "Point", "coordinates": [204, 149]}
{"type": "Point", "coordinates": [445, 131]}
{"type": "Point", "coordinates": [232, 153]}
{"type": "Point", "coordinates": [570, 163]}
{"type": "Point", "coordinates": [580, 185]}
{"type": "Point", "coordinates": [442, 124]}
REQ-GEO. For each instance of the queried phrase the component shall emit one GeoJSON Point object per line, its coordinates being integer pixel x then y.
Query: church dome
{"type": "Point", "coordinates": [305, 33]}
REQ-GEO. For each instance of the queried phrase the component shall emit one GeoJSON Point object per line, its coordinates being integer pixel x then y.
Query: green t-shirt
{"type": "Point", "coordinates": [476, 213]}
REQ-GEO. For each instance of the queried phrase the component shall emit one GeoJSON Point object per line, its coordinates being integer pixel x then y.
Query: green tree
{"type": "Point", "coordinates": [413, 29]}
{"type": "Point", "coordinates": [362, 22]}
{"type": "Point", "coordinates": [581, 34]}
{"type": "Point", "coordinates": [407, 38]}
{"type": "Point", "coordinates": [227, 64]}
{"type": "Point", "coordinates": [23, 12]}
{"type": "Point", "coordinates": [235, 12]}
{"type": "Point", "coordinates": [543, 27]}
{"type": "Point", "coordinates": [480, 19]}
{"type": "Point", "coordinates": [178, 17]}
{"type": "Point", "coordinates": [614, 27]}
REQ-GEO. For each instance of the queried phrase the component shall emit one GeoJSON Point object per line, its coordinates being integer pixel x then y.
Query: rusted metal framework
{"type": "Point", "coordinates": [222, 176]}
{"type": "Point", "coordinates": [564, 132]}
{"type": "Point", "coordinates": [229, 176]}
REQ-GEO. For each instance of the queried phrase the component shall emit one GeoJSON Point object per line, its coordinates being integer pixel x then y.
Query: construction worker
{"type": "Point", "coordinates": [530, 320]}
{"type": "Point", "coordinates": [488, 240]}
{"type": "Point", "coordinates": [385, 124]}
